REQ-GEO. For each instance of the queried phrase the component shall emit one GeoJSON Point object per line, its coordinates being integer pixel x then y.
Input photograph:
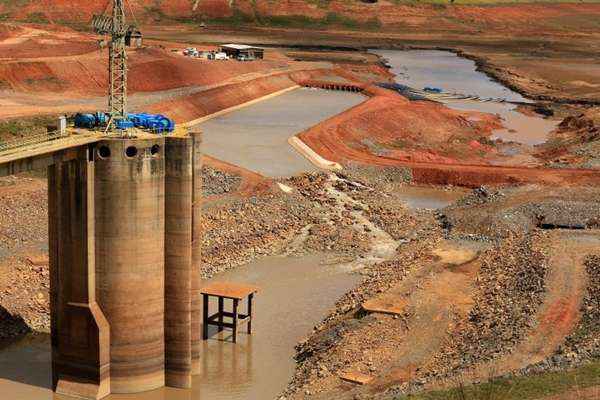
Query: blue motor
{"type": "Point", "coordinates": [124, 124]}
{"type": "Point", "coordinates": [87, 121]}
{"type": "Point", "coordinates": [153, 122]}
{"type": "Point", "coordinates": [91, 121]}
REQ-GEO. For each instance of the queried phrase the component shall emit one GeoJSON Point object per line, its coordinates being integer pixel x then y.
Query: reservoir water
{"type": "Point", "coordinates": [457, 75]}
{"type": "Point", "coordinates": [295, 295]}
{"type": "Point", "coordinates": [255, 137]}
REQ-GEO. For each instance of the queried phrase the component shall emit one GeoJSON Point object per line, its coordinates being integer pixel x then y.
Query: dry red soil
{"type": "Point", "coordinates": [188, 108]}
{"type": "Point", "coordinates": [520, 17]}
{"type": "Point", "coordinates": [439, 145]}
{"type": "Point", "coordinates": [59, 70]}
{"type": "Point", "coordinates": [151, 68]}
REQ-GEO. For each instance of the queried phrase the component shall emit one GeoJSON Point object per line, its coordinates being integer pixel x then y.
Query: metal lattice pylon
{"type": "Point", "coordinates": [117, 88]}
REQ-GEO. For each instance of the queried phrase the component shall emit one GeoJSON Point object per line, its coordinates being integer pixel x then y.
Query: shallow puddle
{"type": "Point", "coordinates": [456, 75]}
{"type": "Point", "coordinates": [429, 197]}
{"type": "Point", "coordinates": [519, 127]}
{"type": "Point", "coordinates": [255, 137]}
{"type": "Point", "coordinates": [296, 294]}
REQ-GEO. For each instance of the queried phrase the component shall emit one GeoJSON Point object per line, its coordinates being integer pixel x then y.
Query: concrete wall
{"type": "Point", "coordinates": [124, 217]}
{"type": "Point", "coordinates": [80, 332]}
{"type": "Point", "coordinates": [130, 258]}
{"type": "Point", "coordinates": [178, 261]}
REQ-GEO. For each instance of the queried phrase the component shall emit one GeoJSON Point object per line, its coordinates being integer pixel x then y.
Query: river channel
{"type": "Point", "coordinates": [457, 75]}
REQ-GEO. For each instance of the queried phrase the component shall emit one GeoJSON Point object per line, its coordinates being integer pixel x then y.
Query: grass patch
{"type": "Point", "coordinates": [520, 388]}
{"type": "Point", "coordinates": [17, 128]}
{"type": "Point", "coordinates": [331, 19]}
{"type": "Point", "coordinates": [489, 2]}
{"type": "Point", "coordinates": [37, 18]}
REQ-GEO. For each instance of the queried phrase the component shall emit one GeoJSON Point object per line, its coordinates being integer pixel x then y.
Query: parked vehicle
{"type": "Point", "coordinates": [242, 57]}
{"type": "Point", "coordinates": [190, 52]}
{"type": "Point", "coordinates": [221, 56]}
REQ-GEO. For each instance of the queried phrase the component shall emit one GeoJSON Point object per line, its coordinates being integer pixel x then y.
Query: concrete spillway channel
{"type": "Point", "coordinates": [256, 137]}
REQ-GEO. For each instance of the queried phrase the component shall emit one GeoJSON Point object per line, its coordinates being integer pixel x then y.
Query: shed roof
{"type": "Point", "coordinates": [240, 47]}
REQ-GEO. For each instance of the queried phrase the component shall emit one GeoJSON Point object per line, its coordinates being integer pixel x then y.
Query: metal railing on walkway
{"type": "Point", "coordinates": [31, 140]}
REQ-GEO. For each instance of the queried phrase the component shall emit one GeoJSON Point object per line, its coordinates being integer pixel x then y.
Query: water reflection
{"type": "Point", "coordinates": [453, 74]}
{"type": "Point", "coordinates": [296, 293]}
{"type": "Point", "coordinates": [255, 137]}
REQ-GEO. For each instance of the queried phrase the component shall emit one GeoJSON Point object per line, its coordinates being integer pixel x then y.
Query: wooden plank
{"type": "Point", "coordinates": [229, 290]}
{"type": "Point", "coordinates": [356, 377]}
{"type": "Point", "coordinates": [387, 303]}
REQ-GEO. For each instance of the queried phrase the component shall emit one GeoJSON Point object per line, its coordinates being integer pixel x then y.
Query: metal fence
{"type": "Point", "coordinates": [31, 140]}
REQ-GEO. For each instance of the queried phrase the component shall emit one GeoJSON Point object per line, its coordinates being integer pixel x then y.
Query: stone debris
{"type": "Point", "coordinates": [356, 377]}
{"type": "Point", "coordinates": [349, 216]}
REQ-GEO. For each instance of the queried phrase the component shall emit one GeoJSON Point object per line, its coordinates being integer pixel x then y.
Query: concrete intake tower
{"type": "Point", "coordinates": [124, 221]}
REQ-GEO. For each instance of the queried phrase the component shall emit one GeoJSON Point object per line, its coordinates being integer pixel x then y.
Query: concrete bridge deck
{"type": "Point", "coordinates": [25, 155]}
{"type": "Point", "coordinates": [41, 155]}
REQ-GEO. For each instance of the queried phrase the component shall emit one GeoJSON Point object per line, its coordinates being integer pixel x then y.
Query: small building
{"type": "Point", "coordinates": [237, 50]}
{"type": "Point", "coordinates": [134, 38]}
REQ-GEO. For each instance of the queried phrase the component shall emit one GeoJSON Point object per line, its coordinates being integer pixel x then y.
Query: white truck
{"type": "Point", "coordinates": [221, 56]}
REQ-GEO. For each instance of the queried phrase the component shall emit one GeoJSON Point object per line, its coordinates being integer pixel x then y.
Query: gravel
{"type": "Point", "coordinates": [511, 286]}
{"type": "Point", "coordinates": [217, 182]}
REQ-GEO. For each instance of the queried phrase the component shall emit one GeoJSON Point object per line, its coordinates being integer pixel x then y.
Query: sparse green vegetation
{"type": "Point", "coordinates": [332, 19]}
{"type": "Point", "coordinates": [15, 128]}
{"type": "Point", "coordinates": [37, 18]}
{"type": "Point", "coordinates": [520, 388]}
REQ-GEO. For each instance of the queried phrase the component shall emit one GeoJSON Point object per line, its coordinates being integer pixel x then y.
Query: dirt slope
{"type": "Point", "coordinates": [349, 14]}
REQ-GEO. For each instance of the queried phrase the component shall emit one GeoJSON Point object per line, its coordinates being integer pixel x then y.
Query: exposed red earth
{"type": "Point", "coordinates": [385, 14]}
{"type": "Point", "coordinates": [438, 145]}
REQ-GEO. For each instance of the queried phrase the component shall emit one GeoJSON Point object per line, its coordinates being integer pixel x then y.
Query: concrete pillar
{"type": "Point", "coordinates": [196, 250]}
{"type": "Point", "coordinates": [178, 261]}
{"type": "Point", "coordinates": [79, 330]}
{"type": "Point", "coordinates": [130, 221]}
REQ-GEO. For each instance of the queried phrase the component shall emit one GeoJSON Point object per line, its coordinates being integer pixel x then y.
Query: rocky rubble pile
{"type": "Point", "coordinates": [318, 355]}
{"type": "Point", "coordinates": [23, 215]}
{"type": "Point", "coordinates": [217, 182]}
{"type": "Point", "coordinates": [495, 215]}
{"type": "Point", "coordinates": [239, 230]}
{"type": "Point", "coordinates": [24, 298]}
{"type": "Point", "coordinates": [584, 344]}
{"type": "Point", "coordinates": [585, 125]}
{"type": "Point", "coordinates": [511, 286]}
{"type": "Point", "coordinates": [333, 228]}
{"type": "Point", "coordinates": [382, 179]}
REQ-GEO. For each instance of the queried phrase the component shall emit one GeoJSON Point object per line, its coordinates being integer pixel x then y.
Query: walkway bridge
{"type": "Point", "coordinates": [124, 251]}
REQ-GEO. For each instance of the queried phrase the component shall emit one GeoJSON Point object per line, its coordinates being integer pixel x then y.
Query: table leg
{"type": "Point", "coordinates": [221, 310]}
{"type": "Point", "coordinates": [250, 298]}
{"type": "Point", "coordinates": [235, 319]}
{"type": "Point", "coordinates": [205, 318]}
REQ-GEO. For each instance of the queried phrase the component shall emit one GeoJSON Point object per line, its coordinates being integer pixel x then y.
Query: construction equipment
{"type": "Point", "coordinates": [121, 35]}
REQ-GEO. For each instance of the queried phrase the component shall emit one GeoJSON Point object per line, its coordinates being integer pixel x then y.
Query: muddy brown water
{"type": "Point", "coordinates": [296, 293]}
{"type": "Point", "coordinates": [453, 74]}
{"type": "Point", "coordinates": [255, 137]}
{"type": "Point", "coordinates": [430, 197]}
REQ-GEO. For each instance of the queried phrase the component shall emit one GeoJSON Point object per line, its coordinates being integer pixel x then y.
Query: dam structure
{"type": "Point", "coordinates": [124, 232]}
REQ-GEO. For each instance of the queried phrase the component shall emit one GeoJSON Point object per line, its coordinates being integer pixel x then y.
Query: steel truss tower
{"type": "Point", "coordinates": [117, 88]}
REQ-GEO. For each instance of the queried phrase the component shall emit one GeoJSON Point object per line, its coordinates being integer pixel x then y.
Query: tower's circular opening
{"type": "Point", "coordinates": [104, 152]}
{"type": "Point", "coordinates": [154, 150]}
{"type": "Point", "coordinates": [131, 151]}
